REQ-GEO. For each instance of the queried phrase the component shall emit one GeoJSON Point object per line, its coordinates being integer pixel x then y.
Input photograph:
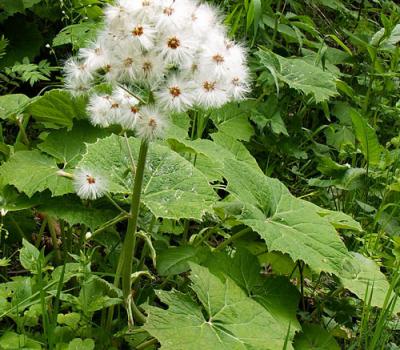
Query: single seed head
{"type": "Point", "coordinates": [134, 109]}
{"type": "Point", "coordinates": [209, 86]}
{"type": "Point", "coordinates": [175, 91]}
{"type": "Point", "coordinates": [115, 105]}
{"type": "Point", "coordinates": [236, 81]}
{"type": "Point", "coordinates": [128, 62]}
{"type": "Point", "coordinates": [108, 68]}
{"type": "Point", "coordinates": [153, 123]}
{"type": "Point", "coordinates": [138, 31]}
{"type": "Point", "coordinates": [90, 180]}
{"type": "Point", "coordinates": [168, 11]}
{"type": "Point", "coordinates": [174, 43]}
{"type": "Point", "coordinates": [147, 67]}
{"type": "Point", "coordinates": [218, 58]}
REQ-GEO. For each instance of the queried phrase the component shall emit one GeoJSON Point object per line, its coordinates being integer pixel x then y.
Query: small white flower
{"type": "Point", "coordinates": [76, 87]}
{"type": "Point", "coordinates": [220, 56]}
{"type": "Point", "coordinates": [211, 93]}
{"type": "Point", "coordinates": [96, 56]}
{"type": "Point", "coordinates": [150, 68]}
{"type": "Point", "coordinates": [178, 48]}
{"type": "Point", "coordinates": [123, 97]}
{"type": "Point", "coordinates": [203, 18]}
{"type": "Point", "coordinates": [75, 70]}
{"type": "Point", "coordinates": [88, 235]}
{"type": "Point", "coordinates": [89, 185]}
{"type": "Point", "coordinates": [237, 81]}
{"type": "Point", "coordinates": [111, 72]}
{"type": "Point", "coordinates": [140, 35]}
{"type": "Point", "coordinates": [103, 110]}
{"type": "Point", "coordinates": [151, 123]}
{"type": "Point", "coordinates": [127, 62]}
{"type": "Point", "coordinates": [129, 108]}
{"type": "Point", "coordinates": [143, 10]}
{"type": "Point", "coordinates": [174, 15]}
{"type": "Point", "coordinates": [177, 94]}
{"type": "Point", "coordinates": [236, 53]}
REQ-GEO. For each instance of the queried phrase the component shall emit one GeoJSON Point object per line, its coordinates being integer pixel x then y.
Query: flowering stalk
{"type": "Point", "coordinates": [176, 51]}
{"type": "Point", "coordinates": [128, 248]}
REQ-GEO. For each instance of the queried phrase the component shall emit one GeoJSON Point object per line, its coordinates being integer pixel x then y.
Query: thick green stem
{"type": "Point", "coordinates": [128, 248]}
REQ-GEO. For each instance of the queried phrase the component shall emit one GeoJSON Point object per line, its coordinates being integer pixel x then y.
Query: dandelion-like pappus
{"type": "Point", "coordinates": [177, 51]}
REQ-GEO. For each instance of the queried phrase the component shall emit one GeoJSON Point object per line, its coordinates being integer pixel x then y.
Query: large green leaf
{"type": "Point", "coordinates": [300, 75]}
{"type": "Point", "coordinates": [66, 146]}
{"type": "Point", "coordinates": [313, 337]}
{"type": "Point", "coordinates": [32, 171]}
{"type": "Point", "coordinates": [210, 155]}
{"type": "Point", "coordinates": [359, 274]}
{"type": "Point", "coordinates": [276, 294]}
{"type": "Point", "coordinates": [225, 319]}
{"type": "Point", "coordinates": [287, 224]}
{"type": "Point", "coordinates": [57, 107]}
{"type": "Point", "coordinates": [175, 260]}
{"type": "Point", "coordinates": [11, 105]}
{"type": "Point", "coordinates": [173, 188]}
{"type": "Point", "coordinates": [233, 119]}
{"type": "Point", "coordinates": [71, 210]}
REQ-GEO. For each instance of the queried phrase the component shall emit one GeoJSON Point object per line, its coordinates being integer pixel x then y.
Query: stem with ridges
{"type": "Point", "coordinates": [128, 247]}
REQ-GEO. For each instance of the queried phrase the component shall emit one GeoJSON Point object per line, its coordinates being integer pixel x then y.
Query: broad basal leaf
{"type": "Point", "coordinates": [300, 75]}
{"type": "Point", "coordinates": [286, 223]}
{"type": "Point", "coordinates": [233, 120]}
{"type": "Point", "coordinates": [12, 105]}
{"type": "Point", "coordinates": [276, 294]}
{"type": "Point", "coordinates": [68, 146]}
{"type": "Point", "coordinates": [360, 273]}
{"type": "Point", "coordinates": [57, 107]}
{"type": "Point", "coordinates": [172, 187]}
{"type": "Point", "coordinates": [175, 260]}
{"type": "Point", "coordinates": [71, 210]}
{"type": "Point", "coordinates": [313, 337]}
{"type": "Point", "coordinates": [32, 171]}
{"type": "Point", "coordinates": [210, 155]}
{"type": "Point", "coordinates": [226, 318]}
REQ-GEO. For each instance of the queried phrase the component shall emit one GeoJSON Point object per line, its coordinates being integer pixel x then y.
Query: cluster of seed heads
{"type": "Point", "coordinates": [176, 51]}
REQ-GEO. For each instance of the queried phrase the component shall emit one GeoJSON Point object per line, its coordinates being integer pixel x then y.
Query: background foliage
{"type": "Point", "coordinates": [321, 123]}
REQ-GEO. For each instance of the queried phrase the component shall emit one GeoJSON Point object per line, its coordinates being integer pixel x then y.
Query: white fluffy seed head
{"type": "Point", "coordinates": [238, 83]}
{"type": "Point", "coordinates": [176, 50]}
{"type": "Point", "coordinates": [100, 110]}
{"type": "Point", "coordinates": [151, 124]}
{"type": "Point", "coordinates": [177, 94]}
{"type": "Point", "coordinates": [89, 185]}
{"type": "Point", "coordinates": [128, 108]}
{"type": "Point", "coordinates": [211, 93]}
